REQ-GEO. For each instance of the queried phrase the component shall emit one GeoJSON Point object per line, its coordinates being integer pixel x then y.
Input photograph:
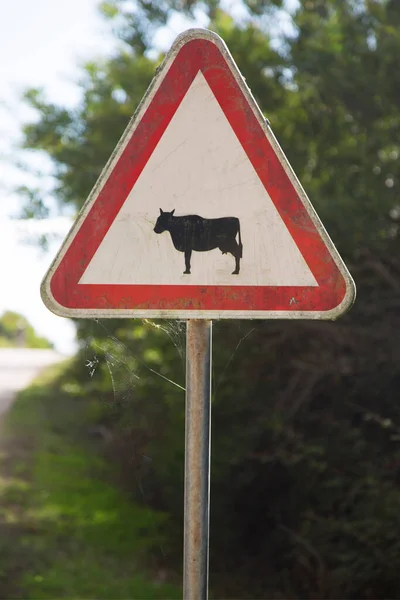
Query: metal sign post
{"type": "Point", "coordinates": [197, 459]}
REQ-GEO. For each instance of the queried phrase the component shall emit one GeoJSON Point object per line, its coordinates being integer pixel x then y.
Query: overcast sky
{"type": "Point", "coordinates": [41, 43]}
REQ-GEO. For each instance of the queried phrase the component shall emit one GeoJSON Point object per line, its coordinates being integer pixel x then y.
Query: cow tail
{"type": "Point", "coordinates": [240, 242]}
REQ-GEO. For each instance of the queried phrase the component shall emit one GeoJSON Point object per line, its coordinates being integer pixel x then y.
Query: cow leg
{"type": "Point", "coordinates": [237, 263]}
{"type": "Point", "coordinates": [233, 248]}
{"type": "Point", "coordinates": [235, 251]}
{"type": "Point", "coordinates": [188, 254]}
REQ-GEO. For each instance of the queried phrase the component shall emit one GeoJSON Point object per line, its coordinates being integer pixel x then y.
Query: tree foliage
{"type": "Point", "coordinates": [305, 439]}
{"type": "Point", "coordinates": [16, 331]}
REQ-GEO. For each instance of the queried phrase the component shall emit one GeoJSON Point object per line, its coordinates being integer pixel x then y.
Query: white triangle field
{"type": "Point", "coordinates": [198, 167]}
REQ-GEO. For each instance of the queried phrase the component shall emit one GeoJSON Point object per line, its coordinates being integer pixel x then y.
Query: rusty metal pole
{"type": "Point", "coordinates": [197, 459]}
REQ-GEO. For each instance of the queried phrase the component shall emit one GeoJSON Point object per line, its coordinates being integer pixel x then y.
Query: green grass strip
{"type": "Point", "coordinates": [66, 530]}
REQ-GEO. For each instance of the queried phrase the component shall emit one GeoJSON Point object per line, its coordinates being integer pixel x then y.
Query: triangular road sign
{"type": "Point", "coordinates": [198, 213]}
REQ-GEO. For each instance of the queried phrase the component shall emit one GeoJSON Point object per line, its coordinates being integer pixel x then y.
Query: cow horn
{"type": "Point", "coordinates": [161, 211]}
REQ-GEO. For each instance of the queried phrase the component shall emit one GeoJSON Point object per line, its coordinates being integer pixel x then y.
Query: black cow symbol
{"type": "Point", "coordinates": [192, 232]}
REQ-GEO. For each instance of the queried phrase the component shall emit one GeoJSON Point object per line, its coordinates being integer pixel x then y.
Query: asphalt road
{"type": "Point", "coordinates": [18, 366]}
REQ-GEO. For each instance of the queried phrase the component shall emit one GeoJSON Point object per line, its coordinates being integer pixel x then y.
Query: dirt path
{"type": "Point", "coordinates": [18, 366]}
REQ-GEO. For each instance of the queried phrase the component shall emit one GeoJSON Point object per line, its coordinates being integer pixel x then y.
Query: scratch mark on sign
{"type": "Point", "coordinates": [170, 154]}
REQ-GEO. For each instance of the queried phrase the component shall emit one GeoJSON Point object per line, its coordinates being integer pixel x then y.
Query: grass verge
{"type": "Point", "coordinates": [65, 530]}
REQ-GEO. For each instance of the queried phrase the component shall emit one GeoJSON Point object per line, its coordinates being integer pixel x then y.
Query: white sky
{"type": "Point", "coordinates": [41, 42]}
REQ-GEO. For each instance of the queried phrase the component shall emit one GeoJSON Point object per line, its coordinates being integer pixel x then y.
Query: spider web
{"type": "Point", "coordinates": [125, 366]}
{"type": "Point", "coordinates": [119, 365]}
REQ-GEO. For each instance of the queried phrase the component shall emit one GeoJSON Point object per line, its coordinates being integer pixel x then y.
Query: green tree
{"type": "Point", "coordinates": [329, 88]}
{"type": "Point", "coordinates": [305, 448]}
{"type": "Point", "coordinates": [16, 331]}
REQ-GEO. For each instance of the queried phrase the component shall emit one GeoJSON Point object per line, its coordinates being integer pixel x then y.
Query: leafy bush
{"type": "Point", "coordinates": [15, 331]}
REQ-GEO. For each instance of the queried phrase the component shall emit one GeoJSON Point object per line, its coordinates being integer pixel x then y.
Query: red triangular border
{"type": "Point", "coordinates": [205, 54]}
